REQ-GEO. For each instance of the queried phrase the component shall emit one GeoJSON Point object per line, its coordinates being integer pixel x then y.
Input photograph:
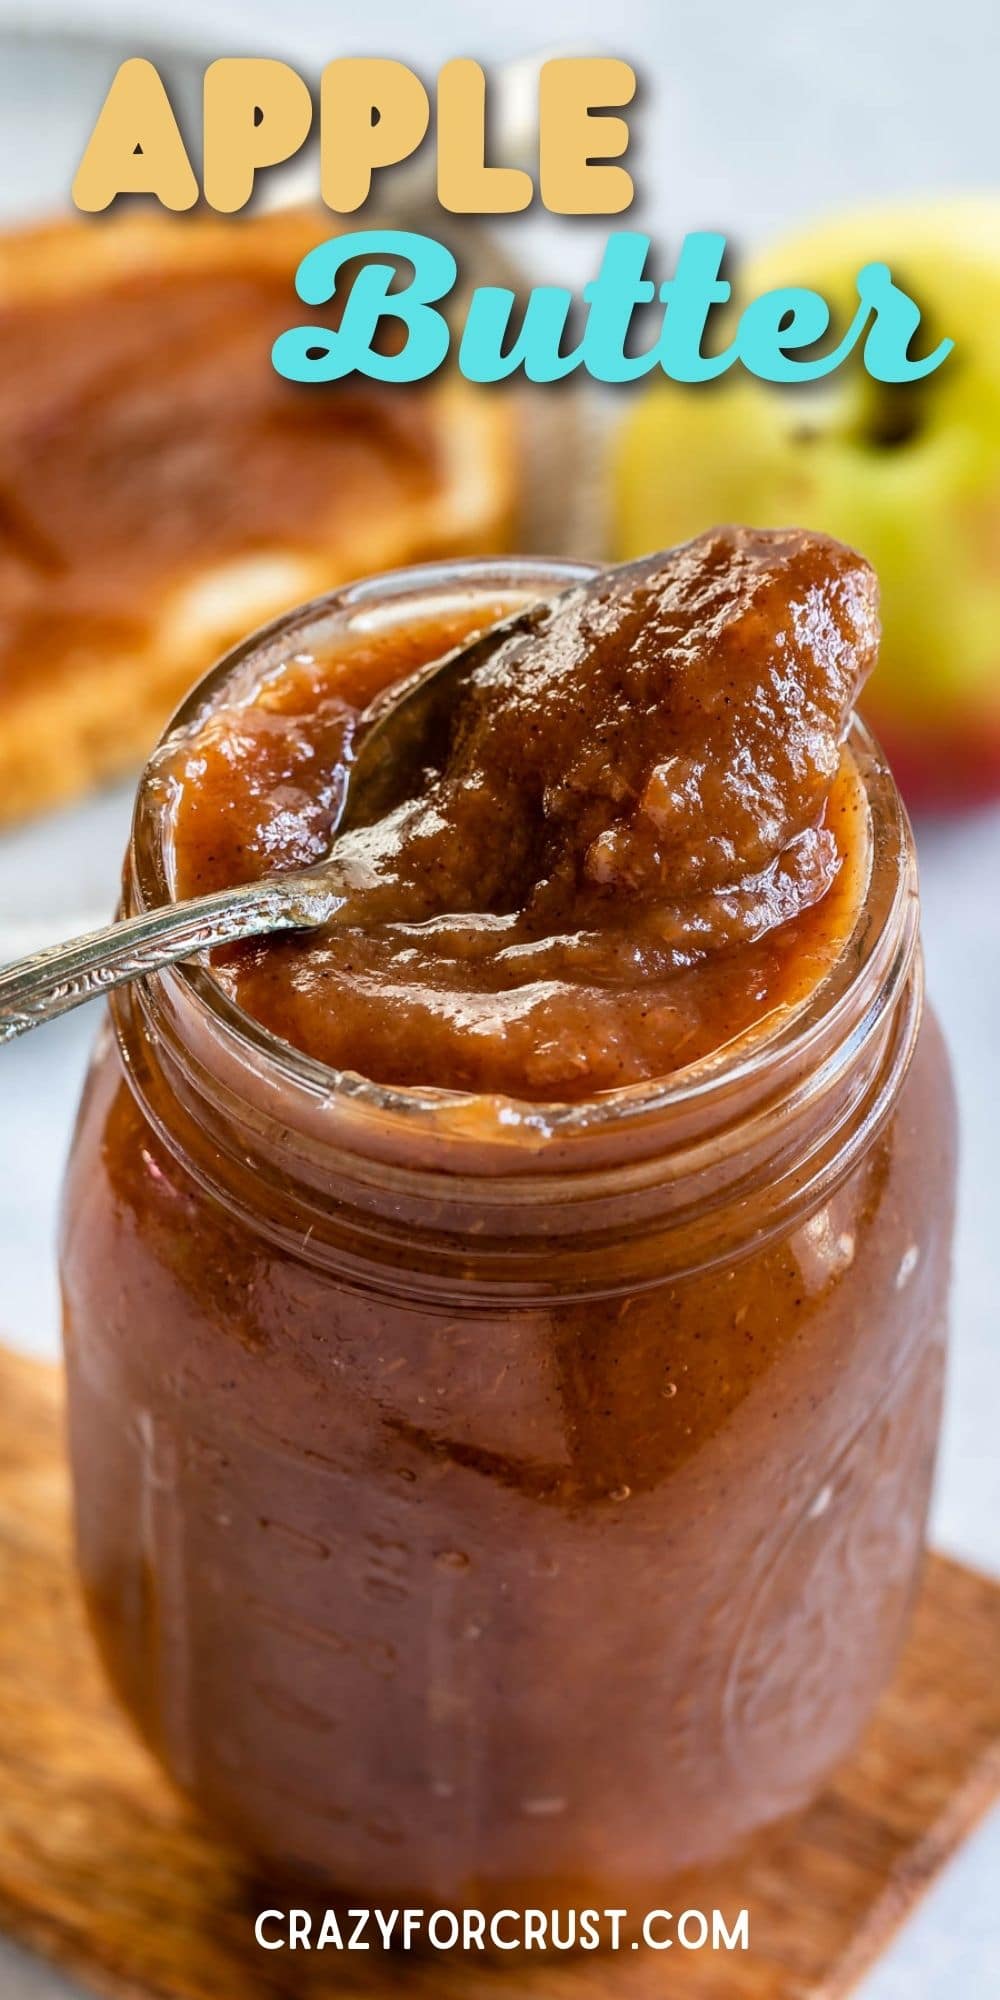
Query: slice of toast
{"type": "Point", "coordinates": [163, 491]}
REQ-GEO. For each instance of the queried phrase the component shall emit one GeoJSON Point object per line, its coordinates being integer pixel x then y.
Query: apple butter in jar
{"type": "Point", "coordinates": [505, 1328]}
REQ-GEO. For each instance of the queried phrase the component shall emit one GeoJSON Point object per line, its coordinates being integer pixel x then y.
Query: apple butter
{"type": "Point", "coordinates": [627, 856]}
{"type": "Point", "coordinates": [505, 1330]}
{"type": "Point", "coordinates": [137, 408]}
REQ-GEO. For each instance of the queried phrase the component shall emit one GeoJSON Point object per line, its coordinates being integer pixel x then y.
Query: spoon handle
{"type": "Point", "coordinates": [51, 982]}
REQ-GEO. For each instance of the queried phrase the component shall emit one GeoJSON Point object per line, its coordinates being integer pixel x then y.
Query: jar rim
{"type": "Point", "coordinates": [880, 933]}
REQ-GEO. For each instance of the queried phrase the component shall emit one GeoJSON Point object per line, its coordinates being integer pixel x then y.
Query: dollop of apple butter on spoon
{"type": "Point", "coordinates": [634, 775]}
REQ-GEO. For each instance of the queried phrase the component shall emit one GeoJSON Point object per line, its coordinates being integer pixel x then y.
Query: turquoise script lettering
{"type": "Point", "coordinates": [777, 336]}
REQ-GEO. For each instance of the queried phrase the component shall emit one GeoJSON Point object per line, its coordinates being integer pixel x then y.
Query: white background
{"type": "Point", "coordinates": [751, 116]}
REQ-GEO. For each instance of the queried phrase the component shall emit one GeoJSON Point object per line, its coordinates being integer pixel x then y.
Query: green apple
{"type": "Point", "coordinates": [908, 474]}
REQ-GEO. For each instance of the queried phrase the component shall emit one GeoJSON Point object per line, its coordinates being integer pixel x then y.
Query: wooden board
{"type": "Point", "coordinates": [102, 1869]}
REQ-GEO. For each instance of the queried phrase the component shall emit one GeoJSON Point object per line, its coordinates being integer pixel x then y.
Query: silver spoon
{"type": "Point", "coordinates": [398, 737]}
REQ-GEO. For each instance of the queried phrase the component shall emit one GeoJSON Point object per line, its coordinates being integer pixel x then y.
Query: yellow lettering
{"type": "Point", "coordinates": [466, 185]}
{"type": "Point", "coordinates": [576, 134]}
{"type": "Point", "coordinates": [375, 112]}
{"type": "Point", "coordinates": [258, 112]}
{"type": "Point", "coordinates": [136, 145]}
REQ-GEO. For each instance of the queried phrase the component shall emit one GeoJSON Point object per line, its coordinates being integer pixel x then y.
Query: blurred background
{"type": "Point", "coordinates": [764, 122]}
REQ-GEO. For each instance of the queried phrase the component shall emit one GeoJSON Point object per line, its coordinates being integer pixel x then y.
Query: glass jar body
{"type": "Point", "coordinates": [469, 1603]}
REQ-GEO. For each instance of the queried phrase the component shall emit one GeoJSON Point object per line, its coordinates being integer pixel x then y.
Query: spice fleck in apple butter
{"type": "Point", "coordinates": [505, 1329]}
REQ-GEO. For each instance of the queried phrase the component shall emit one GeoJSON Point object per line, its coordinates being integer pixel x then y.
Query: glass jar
{"type": "Point", "coordinates": [487, 1505]}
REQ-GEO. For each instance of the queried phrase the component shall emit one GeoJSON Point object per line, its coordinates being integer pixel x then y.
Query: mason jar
{"type": "Point", "coordinates": [478, 1507]}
